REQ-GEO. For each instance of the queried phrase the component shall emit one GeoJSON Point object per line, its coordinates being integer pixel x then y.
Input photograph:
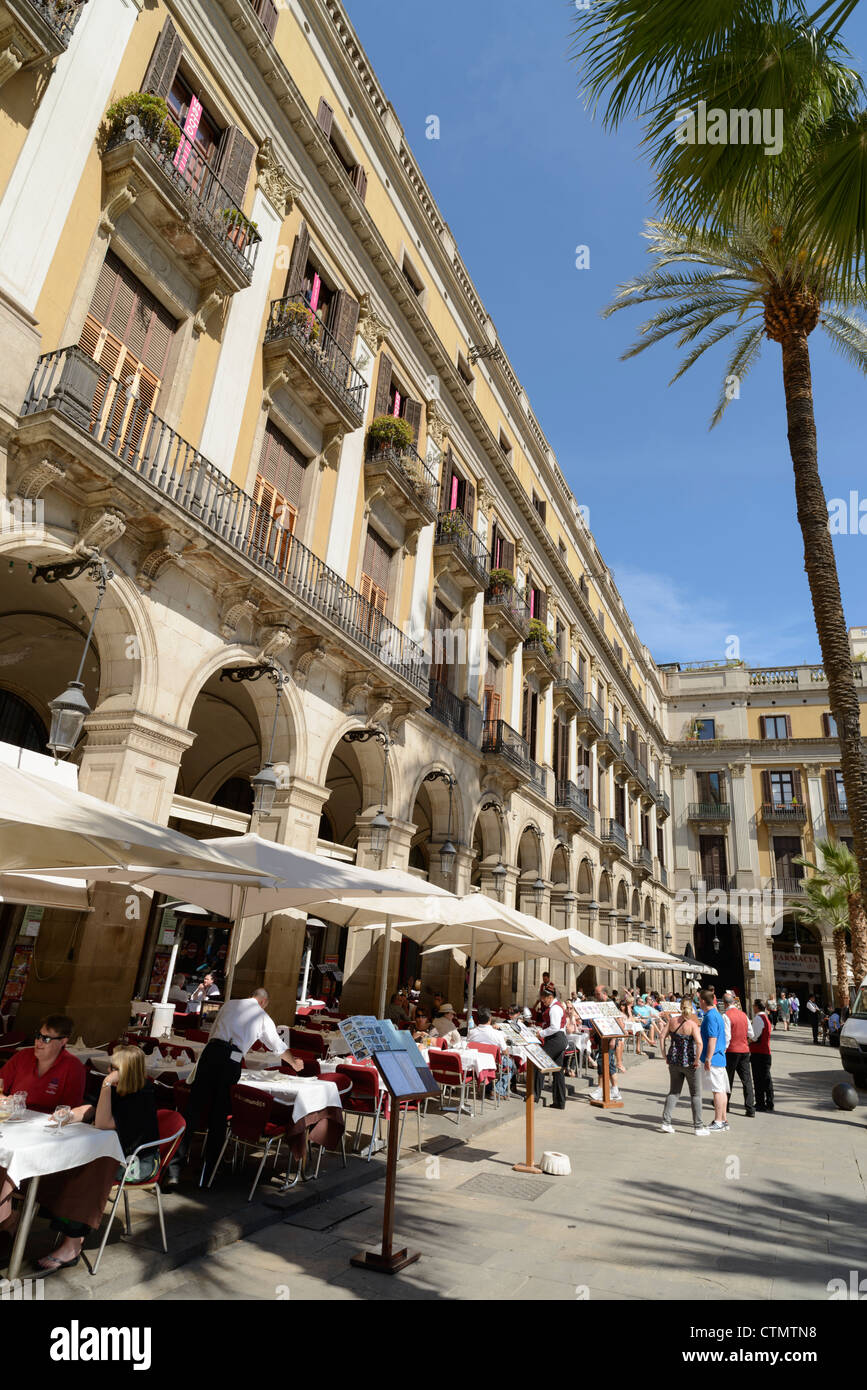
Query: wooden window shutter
{"type": "Point", "coordinates": [165, 59]}
{"type": "Point", "coordinates": [298, 263]}
{"type": "Point", "coordinates": [236, 161]}
{"type": "Point", "coordinates": [282, 465]}
{"type": "Point", "coordinates": [766, 788]}
{"type": "Point", "coordinates": [788, 726]}
{"type": "Point", "coordinates": [412, 415]}
{"type": "Point", "coordinates": [325, 118]}
{"type": "Point", "coordinates": [507, 558]}
{"type": "Point", "coordinates": [267, 12]}
{"type": "Point", "coordinates": [541, 606]}
{"type": "Point", "coordinates": [826, 725]}
{"type": "Point", "coordinates": [383, 385]}
{"type": "Point", "coordinates": [831, 780]}
{"type": "Point", "coordinates": [525, 714]}
{"type": "Point", "coordinates": [796, 787]}
{"type": "Point", "coordinates": [763, 728]}
{"type": "Point", "coordinates": [377, 560]}
{"type": "Point", "coordinates": [359, 178]}
{"type": "Point", "coordinates": [448, 470]}
{"type": "Point", "coordinates": [469, 506]}
{"type": "Point", "coordinates": [344, 317]}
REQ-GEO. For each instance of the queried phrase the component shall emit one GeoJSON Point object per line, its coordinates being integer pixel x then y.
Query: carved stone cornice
{"type": "Point", "coordinates": [237, 602]}
{"type": "Point", "coordinates": [437, 423]}
{"type": "Point", "coordinates": [276, 640]}
{"type": "Point", "coordinates": [314, 651]}
{"type": "Point", "coordinates": [39, 476]}
{"type": "Point", "coordinates": [332, 443]}
{"type": "Point", "coordinates": [154, 561]}
{"type": "Point", "coordinates": [214, 294]}
{"type": "Point", "coordinates": [357, 689]}
{"type": "Point", "coordinates": [100, 527]}
{"type": "Point", "coordinates": [142, 733]}
{"type": "Point", "coordinates": [371, 326]}
{"type": "Point", "coordinates": [120, 194]}
{"type": "Point", "coordinates": [274, 181]}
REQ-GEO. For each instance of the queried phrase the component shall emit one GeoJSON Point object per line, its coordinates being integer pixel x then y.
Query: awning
{"type": "Point", "coordinates": [38, 891]}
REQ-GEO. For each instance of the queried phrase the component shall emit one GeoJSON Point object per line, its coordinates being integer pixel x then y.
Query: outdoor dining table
{"type": "Point", "coordinates": [317, 1110]}
{"type": "Point", "coordinates": [32, 1148]}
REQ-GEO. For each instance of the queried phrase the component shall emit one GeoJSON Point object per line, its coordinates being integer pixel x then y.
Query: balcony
{"type": "Point", "coordinates": [663, 805]}
{"type": "Point", "coordinates": [568, 687]}
{"type": "Point", "coordinates": [540, 661]}
{"type": "Point", "coordinates": [711, 883]}
{"type": "Point", "coordinates": [609, 746]}
{"type": "Point", "coordinates": [505, 746]}
{"type": "Point", "coordinates": [539, 778]}
{"type": "Point", "coordinates": [574, 804]}
{"type": "Point", "coordinates": [458, 551]}
{"type": "Point", "coordinates": [73, 403]}
{"type": "Point", "coordinates": [642, 860]}
{"type": "Point", "coordinates": [187, 208]}
{"type": "Point", "coordinates": [613, 836]}
{"type": "Point", "coordinates": [661, 875]}
{"type": "Point", "coordinates": [838, 811]}
{"type": "Point", "coordinates": [590, 720]}
{"type": "Point", "coordinates": [716, 811]}
{"type": "Point", "coordinates": [791, 814]}
{"type": "Point", "coordinates": [304, 353]}
{"type": "Point", "coordinates": [506, 611]}
{"type": "Point", "coordinates": [791, 887]}
{"type": "Point", "coordinates": [405, 480]}
{"type": "Point", "coordinates": [448, 708]}
{"type": "Point", "coordinates": [34, 31]}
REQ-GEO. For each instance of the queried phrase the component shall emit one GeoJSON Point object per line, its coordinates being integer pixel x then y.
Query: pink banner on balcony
{"type": "Point", "coordinates": [397, 403]}
{"type": "Point", "coordinates": [315, 293]}
{"type": "Point", "coordinates": [191, 126]}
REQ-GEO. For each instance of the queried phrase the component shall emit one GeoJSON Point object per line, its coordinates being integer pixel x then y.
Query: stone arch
{"type": "Point", "coordinates": [529, 850]}
{"type": "Point", "coordinates": [635, 905]}
{"type": "Point", "coordinates": [486, 826]}
{"type": "Point", "coordinates": [559, 873]}
{"type": "Point", "coordinates": [438, 796]}
{"type": "Point", "coordinates": [621, 896]}
{"type": "Point", "coordinates": [605, 889]}
{"type": "Point", "coordinates": [369, 758]}
{"type": "Point", "coordinates": [584, 886]}
{"type": "Point", "coordinates": [647, 915]}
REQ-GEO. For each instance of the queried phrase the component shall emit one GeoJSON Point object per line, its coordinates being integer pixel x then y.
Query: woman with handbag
{"type": "Point", "coordinates": [684, 1047]}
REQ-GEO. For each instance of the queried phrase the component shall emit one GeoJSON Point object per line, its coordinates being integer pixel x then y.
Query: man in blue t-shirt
{"type": "Point", "coordinates": [713, 1055]}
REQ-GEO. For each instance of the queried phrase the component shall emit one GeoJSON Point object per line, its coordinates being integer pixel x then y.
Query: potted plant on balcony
{"type": "Point", "coordinates": [500, 581]}
{"type": "Point", "coordinates": [239, 229]}
{"type": "Point", "coordinates": [539, 633]}
{"type": "Point", "coordinates": [294, 314]}
{"type": "Point", "coordinates": [389, 432]}
{"type": "Point", "coordinates": [139, 114]}
{"type": "Point", "coordinates": [453, 523]}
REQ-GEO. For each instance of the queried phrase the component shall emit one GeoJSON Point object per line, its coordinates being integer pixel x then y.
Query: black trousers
{"type": "Point", "coordinates": [738, 1064]}
{"type": "Point", "coordinates": [216, 1074]}
{"type": "Point", "coordinates": [555, 1046]}
{"type": "Point", "coordinates": [760, 1063]}
{"type": "Point", "coordinates": [814, 1024]}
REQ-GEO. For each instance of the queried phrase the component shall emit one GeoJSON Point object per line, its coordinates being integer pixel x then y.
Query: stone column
{"type": "Point", "coordinates": [815, 778]}
{"type": "Point", "coordinates": [745, 842]}
{"type": "Point", "coordinates": [680, 831]}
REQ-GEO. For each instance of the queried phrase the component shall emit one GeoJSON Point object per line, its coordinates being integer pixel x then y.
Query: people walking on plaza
{"type": "Point", "coordinates": [713, 1057]}
{"type": "Point", "coordinates": [738, 1054]}
{"type": "Point", "coordinates": [784, 1009]}
{"type": "Point", "coordinates": [553, 1034]}
{"type": "Point", "coordinates": [773, 1010]}
{"type": "Point", "coordinates": [795, 1007]}
{"type": "Point", "coordinates": [683, 1035]}
{"type": "Point", "coordinates": [239, 1024]}
{"type": "Point", "coordinates": [815, 1017]}
{"type": "Point", "coordinates": [760, 1058]}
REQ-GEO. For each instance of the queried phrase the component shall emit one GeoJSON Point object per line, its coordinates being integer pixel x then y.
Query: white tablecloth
{"type": "Point", "coordinates": [306, 1093]}
{"type": "Point", "coordinates": [31, 1149]}
{"type": "Point", "coordinates": [471, 1060]}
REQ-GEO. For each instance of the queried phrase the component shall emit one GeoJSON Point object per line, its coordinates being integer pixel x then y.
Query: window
{"type": "Point", "coordinates": [710, 788]}
{"type": "Point", "coordinates": [412, 276]}
{"type": "Point", "coordinates": [333, 307]}
{"type": "Point", "coordinates": [540, 505]}
{"type": "Point", "coordinates": [277, 493]}
{"type": "Point", "coordinates": [837, 791]}
{"type": "Point", "coordinates": [705, 728]}
{"type": "Point", "coordinates": [530, 719]}
{"type": "Point", "coordinates": [776, 726]}
{"type": "Point", "coordinates": [130, 335]}
{"type": "Point", "coordinates": [561, 749]}
{"type": "Point", "coordinates": [20, 724]}
{"type": "Point", "coordinates": [829, 726]}
{"type": "Point", "coordinates": [582, 670]}
{"type": "Point", "coordinates": [375, 569]}
{"type": "Point", "coordinates": [491, 697]}
{"type": "Point", "coordinates": [443, 664]}
{"type": "Point", "coordinates": [785, 788]}
{"type": "Point", "coordinates": [502, 550]}
{"type": "Point", "coordinates": [660, 847]}
{"type": "Point", "coordinates": [712, 853]}
{"type": "Point", "coordinates": [341, 147]}
{"type": "Point", "coordinates": [787, 848]}
{"type": "Point", "coordinates": [536, 599]}
{"type": "Point", "coordinates": [505, 445]}
{"type": "Point", "coordinates": [458, 493]}
{"type": "Point", "coordinates": [620, 805]}
{"type": "Point", "coordinates": [465, 371]}
{"type": "Point", "coordinates": [195, 156]}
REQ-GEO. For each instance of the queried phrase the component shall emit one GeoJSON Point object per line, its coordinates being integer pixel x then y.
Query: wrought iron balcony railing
{"type": "Point", "coordinates": [788, 885]}
{"type": "Point", "coordinates": [60, 15]}
{"type": "Point", "coordinates": [448, 708]}
{"type": "Point", "coordinates": [412, 468]}
{"type": "Point", "coordinates": [612, 738]}
{"type": "Point", "coordinates": [72, 383]}
{"type": "Point", "coordinates": [711, 882]}
{"type": "Point", "coordinates": [709, 810]}
{"type": "Point", "coordinates": [536, 650]}
{"type": "Point", "coordinates": [507, 599]}
{"type": "Point", "coordinates": [642, 857]}
{"type": "Point", "coordinates": [569, 681]}
{"type": "Point", "coordinates": [211, 208]}
{"type": "Point", "coordinates": [789, 813]}
{"type": "Point", "coordinates": [539, 777]}
{"type": "Point", "coordinates": [568, 797]}
{"type": "Point", "coordinates": [293, 318]}
{"type": "Point", "coordinates": [500, 738]}
{"type": "Point", "coordinates": [613, 833]}
{"type": "Point", "coordinates": [662, 875]}
{"type": "Point", "coordinates": [838, 809]}
{"type": "Point", "coordinates": [664, 803]}
{"type": "Point", "coordinates": [456, 533]}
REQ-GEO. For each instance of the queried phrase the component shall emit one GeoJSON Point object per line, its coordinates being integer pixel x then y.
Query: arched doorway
{"type": "Point", "coordinates": [799, 963]}
{"type": "Point", "coordinates": [720, 943]}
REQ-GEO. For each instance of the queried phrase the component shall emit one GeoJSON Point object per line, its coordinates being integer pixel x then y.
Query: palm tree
{"type": "Point", "coordinates": [752, 282]}
{"type": "Point", "coordinates": [839, 877]}
{"type": "Point", "coordinates": [826, 910]}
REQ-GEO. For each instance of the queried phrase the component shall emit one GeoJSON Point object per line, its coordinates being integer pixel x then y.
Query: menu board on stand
{"type": "Point", "coordinates": [537, 1060]}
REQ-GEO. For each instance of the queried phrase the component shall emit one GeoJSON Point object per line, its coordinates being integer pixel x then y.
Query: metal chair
{"type": "Point", "coordinates": [251, 1126]}
{"type": "Point", "coordinates": [366, 1097]}
{"type": "Point", "coordinates": [171, 1127]}
{"type": "Point", "coordinates": [344, 1086]}
{"type": "Point", "coordinates": [449, 1076]}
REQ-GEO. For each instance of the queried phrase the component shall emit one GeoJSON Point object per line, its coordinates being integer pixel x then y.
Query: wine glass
{"type": "Point", "coordinates": [19, 1102]}
{"type": "Point", "coordinates": [62, 1115]}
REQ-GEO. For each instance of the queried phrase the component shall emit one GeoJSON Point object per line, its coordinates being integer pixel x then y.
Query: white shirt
{"type": "Point", "coordinates": [486, 1033]}
{"type": "Point", "coordinates": [758, 1027]}
{"type": "Point", "coordinates": [556, 1013]}
{"type": "Point", "coordinates": [244, 1022]}
{"type": "Point", "coordinates": [812, 1006]}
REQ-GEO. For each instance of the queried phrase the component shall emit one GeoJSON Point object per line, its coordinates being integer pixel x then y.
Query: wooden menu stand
{"type": "Point", "coordinates": [606, 1103]}
{"type": "Point", "coordinates": [530, 1115]}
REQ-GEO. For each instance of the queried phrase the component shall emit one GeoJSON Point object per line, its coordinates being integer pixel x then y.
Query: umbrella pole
{"type": "Point", "coordinates": [383, 984]}
{"type": "Point", "coordinates": [307, 956]}
{"type": "Point", "coordinates": [525, 978]}
{"type": "Point", "coordinates": [170, 973]}
{"type": "Point", "coordinates": [236, 939]}
{"type": "Point", "coordinates": [472, 974]}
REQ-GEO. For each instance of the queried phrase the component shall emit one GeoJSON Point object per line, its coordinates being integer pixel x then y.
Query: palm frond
{"type": "Point", "coordinates": [848, 333]}
{"type": "Point", "coordinates": [747, 352]}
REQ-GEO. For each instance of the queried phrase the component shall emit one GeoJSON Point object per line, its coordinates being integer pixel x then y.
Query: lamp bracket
{"type": "Point", "coordinates": [58, 570]}
{"type": "Point", "coordinates": [237, 674]}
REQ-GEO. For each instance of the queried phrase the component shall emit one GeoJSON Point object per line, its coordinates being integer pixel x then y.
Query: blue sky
{"type": "Point", "coordinates": [698, 527]}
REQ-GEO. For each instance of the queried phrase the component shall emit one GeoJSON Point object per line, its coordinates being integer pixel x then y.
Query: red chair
{"type": "Point", "coordinates": [164, 1090]}
{"type": "Point", "coordinates": [197, 1035]}
{"type": "Point", "coordinates": [304, 1040]}
{"type": "Point", "coordinates": [344, 1086]}
{"type": "Point", "coordinates": [366, 1097]}
{"type": "Point", "coordinates": [449, 1076]}
{"type": "Point", "coordinates": [251, 1126]}
{"type": "Point", "coordinates": [171, 1128]}
{"type": "Point", "coordinates": [486, 1077]}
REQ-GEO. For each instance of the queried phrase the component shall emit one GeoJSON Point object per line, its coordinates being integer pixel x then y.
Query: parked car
{"type": "Point", "coordinates": [853, 1039]}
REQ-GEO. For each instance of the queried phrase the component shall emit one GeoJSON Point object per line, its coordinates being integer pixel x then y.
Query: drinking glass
{"type": "Point", "coordinates": [62, 1115]}
{"type": "Point", "coordinates": [19, 1101]}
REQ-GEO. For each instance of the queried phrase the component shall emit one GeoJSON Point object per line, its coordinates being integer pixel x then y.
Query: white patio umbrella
{"type": "Point", "coordinates": [597, 953]}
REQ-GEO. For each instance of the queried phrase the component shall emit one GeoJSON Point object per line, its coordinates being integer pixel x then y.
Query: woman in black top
{"type": "Point", "coordinates": [127, 1103]}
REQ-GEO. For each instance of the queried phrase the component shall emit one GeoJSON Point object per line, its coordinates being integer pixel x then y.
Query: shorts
{"type": "Point", "coordinates": [719, 1079]}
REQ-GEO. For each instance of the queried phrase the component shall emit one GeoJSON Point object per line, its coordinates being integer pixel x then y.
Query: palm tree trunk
{"type": "Point", "coordinates": [841, 985]}
{"type": "Point", "coordinates": [821, 567]}
{"type": "Point", "coordinates": [858, 932]}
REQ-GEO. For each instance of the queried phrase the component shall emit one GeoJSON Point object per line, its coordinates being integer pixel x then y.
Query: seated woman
{"type": "Point", "coordinates": [444, 1025]}
{"type": "Point", "coordinates": [127, 1103]}
{"type": "Point", "coordinates": [421, 1024]}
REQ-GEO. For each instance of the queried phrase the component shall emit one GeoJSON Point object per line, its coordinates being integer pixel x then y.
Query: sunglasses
{"type": "Point", "coordinates": [47, 1038]}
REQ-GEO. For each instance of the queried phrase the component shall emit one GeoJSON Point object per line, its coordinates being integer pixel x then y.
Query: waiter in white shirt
{"type": "Point", "coordinates": [239, 1024]}
{"type": "Point", "coordinates": [553, 1035]}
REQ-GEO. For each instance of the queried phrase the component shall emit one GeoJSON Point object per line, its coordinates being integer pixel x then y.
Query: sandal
{"type": "Point", "coordinates": [50, 1263]}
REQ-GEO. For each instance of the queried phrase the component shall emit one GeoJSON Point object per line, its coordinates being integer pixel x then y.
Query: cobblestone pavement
{"type": "Point", "coordinates": [772, 1209]}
